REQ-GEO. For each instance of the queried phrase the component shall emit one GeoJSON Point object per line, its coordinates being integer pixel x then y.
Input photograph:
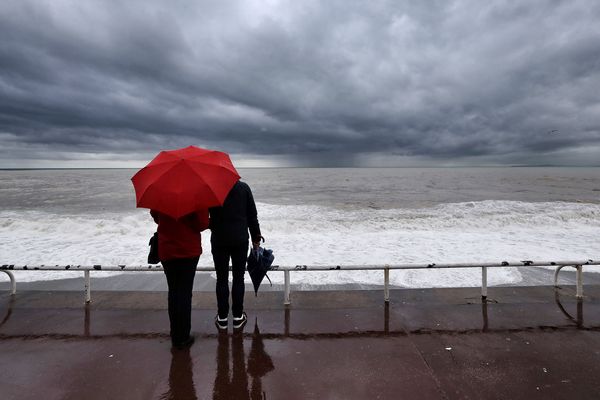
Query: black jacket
{"type": "Point", "coordinates": [230, 223]}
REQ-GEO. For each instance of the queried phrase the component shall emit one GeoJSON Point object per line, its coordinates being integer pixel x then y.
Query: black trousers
{"type": "Point", "coordinates": [238, 254]}
{"type": "Point", "coordinates": [180, 274]}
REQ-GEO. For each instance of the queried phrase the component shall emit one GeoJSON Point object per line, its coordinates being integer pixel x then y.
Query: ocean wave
{"type": "Point", "coordinates": [484, 214]}
{"type": "Point", "coordinates": [306, 234]}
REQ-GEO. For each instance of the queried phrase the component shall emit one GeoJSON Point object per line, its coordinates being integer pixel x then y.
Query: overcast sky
{"type": "Point", "coordinates": [320, 83]}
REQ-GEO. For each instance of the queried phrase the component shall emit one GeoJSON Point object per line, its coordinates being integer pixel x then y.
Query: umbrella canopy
{"type": "Point", "coordinates": [178, 182]}
{"type": "Point", "coordinates": [259, 262]}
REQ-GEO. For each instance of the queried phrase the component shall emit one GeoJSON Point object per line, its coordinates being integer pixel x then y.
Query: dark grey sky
{"type": "Point", "coordinates": [93, 83]}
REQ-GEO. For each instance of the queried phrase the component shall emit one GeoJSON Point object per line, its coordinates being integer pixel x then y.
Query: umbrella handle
{"type": "Point", "coordinates": [256, 252]}
{"type": "Point", "coordinates": [257, 243]}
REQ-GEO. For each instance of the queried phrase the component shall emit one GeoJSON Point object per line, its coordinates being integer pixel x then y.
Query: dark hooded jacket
{"type": "Point", "coordinates": [230, 223]}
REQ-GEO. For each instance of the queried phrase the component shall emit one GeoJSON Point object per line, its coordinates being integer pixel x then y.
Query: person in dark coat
{"type": "Point", "coordinates": [179, 249]}
{"type": "Point", "coordinates": [229, 227]}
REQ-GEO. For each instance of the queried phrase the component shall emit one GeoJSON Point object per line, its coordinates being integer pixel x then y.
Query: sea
{"type": "Point", "coordinates": [323, 216]}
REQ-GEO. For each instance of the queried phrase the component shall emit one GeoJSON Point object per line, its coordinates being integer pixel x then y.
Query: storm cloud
{"type": "Point", "coordinates": [301, 82]}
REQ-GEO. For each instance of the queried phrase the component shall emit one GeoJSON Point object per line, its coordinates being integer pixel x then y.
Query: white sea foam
{"type": "Point", "coordinates": [313, 235]}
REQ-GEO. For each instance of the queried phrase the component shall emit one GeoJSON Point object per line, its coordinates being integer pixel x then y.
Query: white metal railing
{"type": "Point", "coordinates": [578, 265]}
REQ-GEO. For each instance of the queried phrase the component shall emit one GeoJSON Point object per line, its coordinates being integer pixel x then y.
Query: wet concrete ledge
{"type": "Point", "coordinates": [525, 342]}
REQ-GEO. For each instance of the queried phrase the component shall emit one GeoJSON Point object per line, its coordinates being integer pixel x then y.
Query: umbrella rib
{"type": "Point", "coordinates": [207, 163]}
{"type": "Point", "coordinates": [207, 153]}
{"type": "Point", "coordinates": [154, 165]}
{"type": "Point", "coordinates": [210, 189]}
{"type": "Point", "coordinates": [162, 173]}
{"type": "Point", "coordinates": [202, 179]}
{"type": "Point", "coordinates": [160, 162]}
{"type": "Point", "coordinates": [155, 180]}
{"type": "Point", "coordinates": [212, 166]}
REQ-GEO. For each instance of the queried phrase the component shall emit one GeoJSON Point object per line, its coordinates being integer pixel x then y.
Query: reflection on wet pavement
{"type": "Point", "coordinates": [231, 381]}
{"type": "Point", "coordinates": [181, 377]}
{"type": "Point", "coordinates": [9, 309]}
{"type": "Point", "coordinates": [434, 343]}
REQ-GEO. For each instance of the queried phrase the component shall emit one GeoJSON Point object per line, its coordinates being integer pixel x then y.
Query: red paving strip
{"type": "Point", "coordinates": [427, 344]}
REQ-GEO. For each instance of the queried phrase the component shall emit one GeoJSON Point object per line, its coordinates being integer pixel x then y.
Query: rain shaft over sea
{"type": "Point", "coordinates": [324, 216]}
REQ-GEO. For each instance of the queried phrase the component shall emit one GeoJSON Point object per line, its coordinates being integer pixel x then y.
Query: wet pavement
{"type": "Point", "coordinates": [524, 343]}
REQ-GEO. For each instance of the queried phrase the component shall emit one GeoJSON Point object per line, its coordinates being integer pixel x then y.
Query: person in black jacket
{"type": "Point", "coordinates": [229, 225]}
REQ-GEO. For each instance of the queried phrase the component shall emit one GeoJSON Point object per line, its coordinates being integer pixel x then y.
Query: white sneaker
{"type": "Point", "coordinates": [239, 322]}
{"type": "Point", "coordinates": [221, 323]}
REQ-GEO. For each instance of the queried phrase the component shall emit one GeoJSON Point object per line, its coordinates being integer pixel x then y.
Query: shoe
{"type": "Point", "coordinates": [186, 343]}
{"type": "Point", "coordinates": [239, 322]}
{"type": "Point", "coordinates": [221, 323]}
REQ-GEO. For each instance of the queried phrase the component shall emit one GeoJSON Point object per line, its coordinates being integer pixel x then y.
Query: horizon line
{"type": "Point", "coordinates": [323, 167]}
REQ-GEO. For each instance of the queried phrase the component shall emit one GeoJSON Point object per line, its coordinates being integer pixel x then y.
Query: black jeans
{"type": "Point", "coordinates": [238, 254]}
{"type": "Point", "coordinates": [180, 274]}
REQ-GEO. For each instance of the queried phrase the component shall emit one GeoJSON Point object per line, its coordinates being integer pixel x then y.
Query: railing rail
{"type": "Point", "coordinates": [286, 269]}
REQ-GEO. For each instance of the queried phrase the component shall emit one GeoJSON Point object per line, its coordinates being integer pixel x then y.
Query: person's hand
{"type": "Point", "coordinates": [256, 244]}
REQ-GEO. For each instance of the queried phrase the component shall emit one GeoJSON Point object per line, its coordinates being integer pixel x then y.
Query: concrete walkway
{"type": "Point", "coordinates": [525, 343]}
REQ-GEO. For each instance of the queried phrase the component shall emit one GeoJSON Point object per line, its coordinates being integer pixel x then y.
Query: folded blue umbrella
{"type": "Point", "coordinates": [259, 262]}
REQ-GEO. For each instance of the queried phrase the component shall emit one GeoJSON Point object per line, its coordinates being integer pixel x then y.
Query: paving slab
{"type": "Point", "coordinates": [523, 343]}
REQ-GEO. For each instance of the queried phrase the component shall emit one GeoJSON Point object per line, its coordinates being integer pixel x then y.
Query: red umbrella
{"type": "Point", "coordinates": [178, 182]}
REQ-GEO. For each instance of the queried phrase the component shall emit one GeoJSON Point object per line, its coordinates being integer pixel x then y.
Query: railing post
{"type": "Point", "coordinates": [286, 294]}
{"type": "Point", "coordinates": [579, 274]}
{"type": "Point", "coordinates": [386, 285]}
{"type": "Point", "coordinates": [88, 296]}
{"type": "Point", "coordinates": [483, 283]}
{"type": "Point", "coordinates": [13, 282]}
